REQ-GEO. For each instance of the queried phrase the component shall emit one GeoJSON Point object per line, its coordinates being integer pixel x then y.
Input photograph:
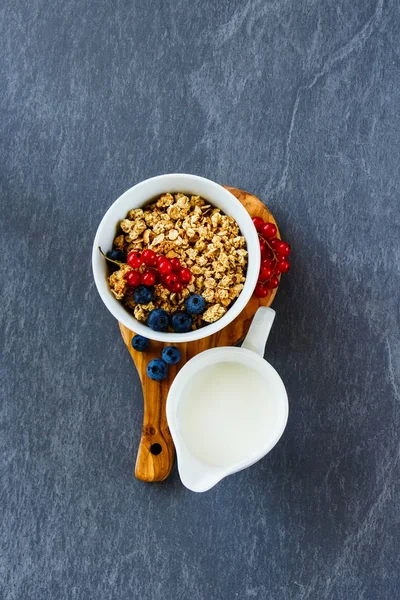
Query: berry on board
{"type": "Point", "coordinates": [258, 223]}
{"type": "Point", "coordinates": [157, 369]}
{"type": "Point", "coordinates": [140, 343]}
{"type": "Point", "coordinates": [269, 230]}
{"type": "Point", "coordinates": [171, 355]}
{"type": "Point", "coordinates": [261, 291]}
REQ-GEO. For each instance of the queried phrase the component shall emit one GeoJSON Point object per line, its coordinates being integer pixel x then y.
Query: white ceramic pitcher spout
{"type": "Point", "coordinates": [196, 475]}
{"type": "Point", "coordinates": [200, 475]}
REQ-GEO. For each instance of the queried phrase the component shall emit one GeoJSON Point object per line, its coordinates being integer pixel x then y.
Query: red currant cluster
{"type": "Point", "coordinates": [274, 257]}
{"type": "Point", "coordinates": [167, 271]}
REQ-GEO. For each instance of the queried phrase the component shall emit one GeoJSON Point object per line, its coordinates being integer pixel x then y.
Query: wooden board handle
{"type": "Point", "coordinates": [156, 451]}
{"type": "Point", "coordinates": [156, 454]}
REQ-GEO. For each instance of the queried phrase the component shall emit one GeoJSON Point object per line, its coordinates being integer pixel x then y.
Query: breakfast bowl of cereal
{"type": "Point", "coordinates": [176, 258]}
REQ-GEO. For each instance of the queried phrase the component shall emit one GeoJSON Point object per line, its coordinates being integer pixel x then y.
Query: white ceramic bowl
{"type": "Point", "coordinates": [138, 196]}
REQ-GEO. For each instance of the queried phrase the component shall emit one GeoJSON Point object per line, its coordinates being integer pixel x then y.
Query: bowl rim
{"type": "Point", "coordinates": [128, 320]}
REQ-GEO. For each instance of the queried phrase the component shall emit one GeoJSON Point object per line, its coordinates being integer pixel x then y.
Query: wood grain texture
{"type": "Point", "coordinates": [151, 466]}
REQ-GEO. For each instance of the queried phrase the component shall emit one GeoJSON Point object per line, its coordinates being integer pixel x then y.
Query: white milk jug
{"type": "Point", "coordinates": [226, 408]}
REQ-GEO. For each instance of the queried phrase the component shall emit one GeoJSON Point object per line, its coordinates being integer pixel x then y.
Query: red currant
{"type": "Point", "coordinates": [164, 267]}
{"type": "Point", "coordinates": [272, 283]}
{"type": "Point", "coordinates": [269, 230]}
{"type": "Point", "coordinates": [170, 279]}
{"type": "Point", "coordinates": [258, 223]}
{"type": "Point", "coordinates": [132, 278]}
{"type": "Point", "coordinates": [266, 262]}
{"type": "Point", "coordinates": [176, 263]}
{"type": "Point", "coordinates": [261, 290]}
{"type": "Point", "coordinates": [148, 278]}
{"type": "Point", "coordinates": [283, 266]}
{"type": "Point", "coordinates": [185, 275]}
{"type": "Point", "coordinates": [176, 287]}
{"type": "Point", "coordinates": [283, 249]}
{"type": "Point", "coordinates": [149, 257]}
{"type": "Point", "coordinates": [164, 277]}
{"type": "Point", "coordinates": [263, 247]}
{"type": "Point", "coordinates": [265, 273]}
{"type": "Point", "coordinates": [160, 259]}
{"type": "Point", "coordinates": [134, 260]}
{"type": "Point", "coordinates": [155, 273]}
{"type": "Point", "coordinates": [274, 243]}
{"type": "Point", "coordinates": [267, 253]}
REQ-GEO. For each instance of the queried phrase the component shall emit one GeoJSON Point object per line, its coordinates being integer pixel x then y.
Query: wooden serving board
{"type": "Point", "coordinates": [156, 450]}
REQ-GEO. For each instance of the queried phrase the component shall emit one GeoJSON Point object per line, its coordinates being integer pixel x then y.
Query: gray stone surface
{"type": "Point", "coordinates": [297, 102]}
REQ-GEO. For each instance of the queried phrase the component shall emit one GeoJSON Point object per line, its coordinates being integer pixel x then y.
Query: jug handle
{"type": "Point", "coordinates": [258, 333]}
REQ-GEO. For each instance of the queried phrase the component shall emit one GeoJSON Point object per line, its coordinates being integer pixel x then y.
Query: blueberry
{"type": "Point", "coordinates": [195, 304]}
{"type": "Point", "coordinates": [140, 343]}
{"type": "Point", "coordinates": [157, 369]}
{"type": "Point", "coordinates": [117, 255]}
{"type": "Point", "coordinates": [181, 322]}
{"type": "Point", "coordinates": [143, 294]}
{"type": "Point", "coordinates": [158, 320]}
{"type": "Point", "coordinates": [171, 355]}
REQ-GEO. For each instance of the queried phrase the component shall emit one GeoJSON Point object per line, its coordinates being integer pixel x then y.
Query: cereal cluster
{"type": "Point", "coordinates": [204, 240]}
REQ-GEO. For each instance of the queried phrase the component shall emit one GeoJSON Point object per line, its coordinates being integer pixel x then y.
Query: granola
{"type": "Point", "coordinates": [205, 241]}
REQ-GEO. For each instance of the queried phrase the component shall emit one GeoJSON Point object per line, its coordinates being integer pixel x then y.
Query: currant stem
{"type": "Point", "coordinates": [116, 262]}
{"type": "Point", "coordinates": [273, 258]}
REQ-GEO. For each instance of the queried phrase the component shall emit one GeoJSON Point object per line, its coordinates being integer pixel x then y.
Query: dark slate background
{"type": "Point", "coordinates": [296, 102]}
